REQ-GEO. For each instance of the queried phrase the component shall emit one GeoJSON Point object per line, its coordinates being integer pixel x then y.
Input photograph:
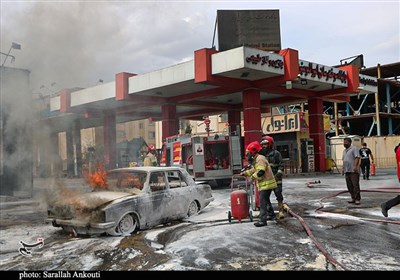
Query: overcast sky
{"type": "Point", "coordinates": [69, 44]}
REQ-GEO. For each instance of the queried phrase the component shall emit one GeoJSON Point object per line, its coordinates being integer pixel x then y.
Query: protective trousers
{"type": "Point", "coordinates": [264, 203]}
{"type": "Point", "coordinates": [279, 198]}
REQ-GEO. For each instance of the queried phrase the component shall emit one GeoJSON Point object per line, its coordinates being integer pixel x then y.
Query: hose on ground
{"type": "Point", "coordinates": [319, 245]}
{"type": "Point", "coordinates": [381, 190]}
{"type": "Point", "coordinates": [314, 240]}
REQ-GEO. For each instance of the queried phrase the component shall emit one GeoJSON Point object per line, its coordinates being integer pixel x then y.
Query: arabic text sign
{"type": "Point", "coordinates": [282, 123]}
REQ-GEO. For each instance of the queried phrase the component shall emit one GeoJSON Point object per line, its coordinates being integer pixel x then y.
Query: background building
{"type": "Point", "coordinates": [16, 134]}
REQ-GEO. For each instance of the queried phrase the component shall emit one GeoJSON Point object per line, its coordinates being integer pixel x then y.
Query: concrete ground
{"type": "Point", "coordinates": [321, 231]}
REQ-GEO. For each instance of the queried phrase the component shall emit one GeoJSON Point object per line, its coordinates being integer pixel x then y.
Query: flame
{"type": "Point", "coordinates": [69, 202]}
{"type": "Point", "coordinates": [97, 179]}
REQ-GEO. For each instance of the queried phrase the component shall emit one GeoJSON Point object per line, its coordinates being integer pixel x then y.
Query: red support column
{"type": "Point", "coordinates": [234, 122]}
{"type": "Point", "coordinates": [170, 125]}
{"type": "Point", "coordinates": [251, 116]}
{"type": "Point", "coordinates": [110, 141]}
{"type": "Point", "coordinates": [316, 124]}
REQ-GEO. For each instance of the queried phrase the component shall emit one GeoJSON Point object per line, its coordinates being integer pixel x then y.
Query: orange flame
{"type": "Point", "coordinates": [98, 180]}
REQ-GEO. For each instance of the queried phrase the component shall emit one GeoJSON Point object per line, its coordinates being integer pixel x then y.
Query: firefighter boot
{"type": "Point", "coordinates": [281, 215]}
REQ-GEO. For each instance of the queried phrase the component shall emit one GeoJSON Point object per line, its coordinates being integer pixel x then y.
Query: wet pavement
{"type": "Point", "coordinates": [321, 232]}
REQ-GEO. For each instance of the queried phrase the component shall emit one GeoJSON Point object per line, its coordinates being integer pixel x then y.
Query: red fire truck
{"type": "Point", "coordinates": [211, 157]}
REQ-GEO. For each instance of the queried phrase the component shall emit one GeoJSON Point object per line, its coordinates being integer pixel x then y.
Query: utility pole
{"type": "Point", "coordinates": [13, 46]}
{"type": "Point", "coordinates": [378, 121]}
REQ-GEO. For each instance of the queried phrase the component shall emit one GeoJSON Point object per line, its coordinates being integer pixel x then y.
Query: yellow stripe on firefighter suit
{"type": "Point", "coordinates": [267, 181]}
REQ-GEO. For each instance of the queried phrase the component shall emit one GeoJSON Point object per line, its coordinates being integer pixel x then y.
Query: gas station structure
{"type": "Point", "coordinates": [243, 82]}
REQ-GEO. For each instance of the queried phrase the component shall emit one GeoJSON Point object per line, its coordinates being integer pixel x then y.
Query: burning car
{"type": "Point", "coordinates": [132, 198]}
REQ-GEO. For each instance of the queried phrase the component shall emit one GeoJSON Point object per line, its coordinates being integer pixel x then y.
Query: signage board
{"type": "Point", "coordinates": [253, 28]}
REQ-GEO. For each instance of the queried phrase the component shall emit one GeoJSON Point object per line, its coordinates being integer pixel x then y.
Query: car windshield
{"type": "Point", "coordinates": [127, 181]}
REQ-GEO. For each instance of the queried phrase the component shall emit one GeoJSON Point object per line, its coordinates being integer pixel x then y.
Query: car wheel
{"type": "Point", "coordinates": [193, 209]}
{"type": "Point", "coordinates": [126, 225]}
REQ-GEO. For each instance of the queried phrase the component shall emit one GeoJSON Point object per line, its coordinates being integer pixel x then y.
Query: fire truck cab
{"type": "Point", "coordinates": [211, 157]}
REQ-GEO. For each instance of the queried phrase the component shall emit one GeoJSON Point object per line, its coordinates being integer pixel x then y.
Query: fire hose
{"type": "Point", "coordinates": [319, 245]}
{"type": "Point", "coordinates": [314, 240]}
{"type": "Point", "coordinates": [382, 190]}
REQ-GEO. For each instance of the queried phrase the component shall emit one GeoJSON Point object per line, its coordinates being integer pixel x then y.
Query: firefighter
{"type": "Point", "coordinates": [150, 159]}
{"type": "Point", "coordinates": [274, 158]}
{"type": "Point", "coordinates": [261, 173]}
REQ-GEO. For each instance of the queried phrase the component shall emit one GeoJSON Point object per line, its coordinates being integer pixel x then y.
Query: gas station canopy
{"type": "Point", "coordinates": [211, 83]}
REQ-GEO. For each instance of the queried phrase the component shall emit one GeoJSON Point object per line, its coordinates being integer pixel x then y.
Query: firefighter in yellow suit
{"type": "Point", "coordinates": [150, 159]}
{"type": "Point", "coordinates": [261, 173]}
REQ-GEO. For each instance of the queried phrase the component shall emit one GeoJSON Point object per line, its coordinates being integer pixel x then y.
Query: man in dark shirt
{"type": "Point", "coordinates": [365, 154]}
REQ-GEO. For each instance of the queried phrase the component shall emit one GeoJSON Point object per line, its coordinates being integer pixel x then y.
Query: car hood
{"type": "Point", "coordinates": [93, 199]}
{"type": "Point", "coordinates": [104, 195]}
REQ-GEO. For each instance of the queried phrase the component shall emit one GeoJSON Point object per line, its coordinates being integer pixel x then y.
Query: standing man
{"type": "Point", "coordinates": [150, 159]}
{"type": "Point", "coordinates": [274, 158]}
{"type": "Point", "coordinates": [365, 154]}
{"type": "Point", "coordinates": [351, 167]}
{"type": "Point", "coordinates": [261, 173]}
{"type": "Point", "coordinates": [396, 200]}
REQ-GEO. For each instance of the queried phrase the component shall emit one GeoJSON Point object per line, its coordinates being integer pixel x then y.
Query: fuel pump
{"type": "Point", "coordinates": [307, 155]}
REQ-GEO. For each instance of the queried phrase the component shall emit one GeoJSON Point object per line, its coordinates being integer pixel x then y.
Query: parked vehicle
{"type": "Point", "coordinates": [207, 158]}
{"type": "Point", "coordinates": [133, 198]}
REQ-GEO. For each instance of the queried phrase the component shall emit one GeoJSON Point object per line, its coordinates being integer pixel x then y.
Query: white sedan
{"type": "Point", "coordinates": [133, 198]}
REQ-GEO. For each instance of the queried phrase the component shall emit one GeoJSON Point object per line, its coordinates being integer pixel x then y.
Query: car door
{"type": "Point", "coordinates": [180, 194]}
{"type": "Point", "coordinates": [157, 210]}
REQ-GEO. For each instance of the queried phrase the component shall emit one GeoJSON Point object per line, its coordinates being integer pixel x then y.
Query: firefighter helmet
{"type": "Point", "coordinates": [254, 147]}
{"type": "Point", "coordinates": [151, 148]}
{"type": "Point", "coordinates": [268, 141]}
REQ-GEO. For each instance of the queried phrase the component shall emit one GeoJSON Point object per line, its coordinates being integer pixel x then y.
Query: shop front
{"type": "Point", "coordinates": [292, 139]}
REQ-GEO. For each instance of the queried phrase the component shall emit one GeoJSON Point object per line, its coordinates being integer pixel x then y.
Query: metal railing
{"type": "Point", "coordinates": [335, 166]}
{"type": "Point", "coordinates": [385, 162]}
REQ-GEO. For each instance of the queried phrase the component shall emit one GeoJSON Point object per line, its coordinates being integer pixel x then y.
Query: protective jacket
{"type": "Point", "coordinates": [150, 160]}
{"type": "Point", "coordinates": [267, 180]}
{"type": "Point", "coordinates": [274, 158]}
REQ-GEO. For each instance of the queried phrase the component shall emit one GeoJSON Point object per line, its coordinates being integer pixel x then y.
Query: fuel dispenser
{"type": "Point", "coordinates": [307, 155]}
